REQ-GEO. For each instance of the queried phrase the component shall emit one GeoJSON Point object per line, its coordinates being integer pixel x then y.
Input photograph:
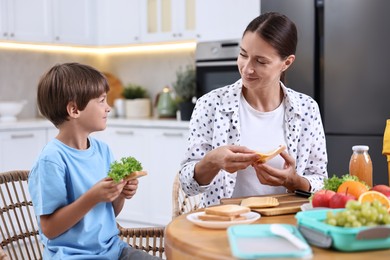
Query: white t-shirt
{"type": "Point", "coordinates": [262, 132]}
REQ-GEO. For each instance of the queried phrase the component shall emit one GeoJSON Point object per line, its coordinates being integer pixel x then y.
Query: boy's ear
{"type": "Point", "coordinates": [72, 109]}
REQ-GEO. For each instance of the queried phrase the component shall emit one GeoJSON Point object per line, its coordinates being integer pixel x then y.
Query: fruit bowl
{"type": "Point", "coordinates": [10, 109]}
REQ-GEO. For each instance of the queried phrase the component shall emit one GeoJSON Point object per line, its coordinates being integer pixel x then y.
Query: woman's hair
{"type": "Point", "coordinates": [278, 31]}
{"type": "Point", "coordinates": [68, 82]}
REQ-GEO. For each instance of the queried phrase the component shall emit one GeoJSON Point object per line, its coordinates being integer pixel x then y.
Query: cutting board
{"type": "Point", "coordinates": [116, 88]}
{"type": "Point", "coordinates": [288, 203]}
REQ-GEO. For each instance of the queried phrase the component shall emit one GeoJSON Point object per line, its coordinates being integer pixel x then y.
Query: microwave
{"type": "Point", "coordinates": [216, 65]}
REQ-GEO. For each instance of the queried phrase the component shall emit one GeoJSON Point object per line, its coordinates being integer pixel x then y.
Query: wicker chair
{"type": "Point", "coordinates": [181, 202]}
{"type": "Point", "coordinates": [18, 226]}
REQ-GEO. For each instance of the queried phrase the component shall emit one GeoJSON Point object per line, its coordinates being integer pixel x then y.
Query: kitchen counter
{"type": "Point", "coordinates": [37, 123]}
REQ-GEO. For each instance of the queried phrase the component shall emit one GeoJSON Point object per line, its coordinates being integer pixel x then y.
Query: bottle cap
{"type": "Point", "coordinates": [360, 148]}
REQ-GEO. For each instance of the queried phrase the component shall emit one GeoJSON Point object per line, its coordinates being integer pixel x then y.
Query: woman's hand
{"type": "Point", "coordinates": [230, 158]}
{"type": "Point", "coordinates": [286, 177]}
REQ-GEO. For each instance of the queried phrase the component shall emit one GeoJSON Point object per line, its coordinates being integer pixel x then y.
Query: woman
{"type": "Point", "coordinates": [256, 114]}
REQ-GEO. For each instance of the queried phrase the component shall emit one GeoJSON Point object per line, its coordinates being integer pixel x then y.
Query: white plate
{"type": "Point", "coordinates": [309, 206]}
{"type": "Point", "coordinates": [250, 217]}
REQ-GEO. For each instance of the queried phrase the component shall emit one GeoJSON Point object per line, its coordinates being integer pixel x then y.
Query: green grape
{"type": "Point", "coordinates": [366, 212]}
{"type": "Point", "coordinates": [332, 221]}
{"type": "Point", "coordinates": [353, 204]}
{"type": "Point", "coordinates": [359, 214]}
{"type": "Point", "coordinates": [330, 215]}
{"type": "Point", "coordinates": [341, 221]}
{"type": "Point", "coordinates": [351, 218]}
{"type": "Point", "coordinates": [356, 224]}
{"type": "Point", "coordinates": [386, 219]}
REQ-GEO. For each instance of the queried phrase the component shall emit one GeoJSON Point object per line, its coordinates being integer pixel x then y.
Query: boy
{"type": "Point", "coordinates": [74, 200]}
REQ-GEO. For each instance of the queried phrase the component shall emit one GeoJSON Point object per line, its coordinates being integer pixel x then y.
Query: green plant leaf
{"type": "Point", "coordinates": [185, 84]}
{"type": "Point", "coordinates": [133, 91]}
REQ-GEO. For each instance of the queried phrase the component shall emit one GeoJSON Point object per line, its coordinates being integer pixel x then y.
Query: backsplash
{"type": "Point", "coordinates": [20, 70]}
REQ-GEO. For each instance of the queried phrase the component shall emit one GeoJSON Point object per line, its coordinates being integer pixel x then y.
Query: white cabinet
{"type": "Point", "coordinates": [166, 152]}
{"type": "Point", "coordinates": [160, 151]}
{"type": "Point", "coordinates": [168, 20]}
{"type": "Point", "coordinates": [119, 22]}
{"type": "Point", "coordinates": [75, 21]}
{"type": "Point", "coordinates": [25, 21]}
{"type": "Point", "coordinates": [129, 141]}
{"type": "Point", "coordinates": [224, 19]}
{"type": "Point", "coordinates": [20, 148]}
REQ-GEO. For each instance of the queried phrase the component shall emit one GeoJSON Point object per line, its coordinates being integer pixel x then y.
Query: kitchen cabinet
{"type": "Point", "coordinates": [20, 148]}
{"type": "Point", "coordinates": [160, 151]}
{"type": "Point", "coordinates": [167, 151]}
{"type": "Point", "coordinates": [75, 21]}
{"type": "Point", "coordinates": [122, 22]}
{"type": "Point", "coordinates": [119, 22]}
{"type": "Point", "coordinates": [168, 20]}
{"type": "Point", "coordinates": [25, 21]}
{"type": "Point", "coordinates": [224, 19]}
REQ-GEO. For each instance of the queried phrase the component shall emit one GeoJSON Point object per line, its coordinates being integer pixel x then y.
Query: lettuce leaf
{"type": "Point", "coordinates": [123, 168]}
{"type": "Point", "coordinates": [334, 182]}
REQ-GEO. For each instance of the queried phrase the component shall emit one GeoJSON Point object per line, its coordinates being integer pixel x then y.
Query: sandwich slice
{"type": "Point", "coordinates": [224, 213]}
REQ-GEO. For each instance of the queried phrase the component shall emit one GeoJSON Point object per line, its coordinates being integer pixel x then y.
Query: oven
{"type": "Point", "coordinates": [216, 64]}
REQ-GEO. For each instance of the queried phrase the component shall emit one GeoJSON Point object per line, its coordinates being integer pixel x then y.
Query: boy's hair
{"type": "Point", "coordinates": [65, 83]}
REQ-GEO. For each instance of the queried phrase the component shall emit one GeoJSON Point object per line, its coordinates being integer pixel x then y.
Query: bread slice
{"type": "Point", "coordinates": [135, 175]}
{"type": "Point", "coordinates": [260, 202]}
{"type": "Point", "coordinates": [208, 217]}
{"type": "Point", "coordinates": [227, 210]}
{"type": "Point", "coordinates": [268, 156]}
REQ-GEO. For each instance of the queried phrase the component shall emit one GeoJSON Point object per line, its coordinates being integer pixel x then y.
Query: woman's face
{"type": "Point", "coordinates": [259, 63]}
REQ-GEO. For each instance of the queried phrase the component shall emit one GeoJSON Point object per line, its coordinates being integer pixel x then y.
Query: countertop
{"type": "Point", "coordinates": [37, 123]}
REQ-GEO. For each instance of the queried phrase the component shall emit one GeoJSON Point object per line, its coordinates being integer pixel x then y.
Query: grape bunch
{"type": "Point", "coordinates": [357, 214]}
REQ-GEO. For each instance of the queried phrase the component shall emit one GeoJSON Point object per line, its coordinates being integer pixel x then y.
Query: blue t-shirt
{"type": "Point", "coordinates": [59, 177]}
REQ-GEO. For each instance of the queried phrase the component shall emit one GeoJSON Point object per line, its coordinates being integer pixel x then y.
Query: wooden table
{"type": "Point", "coordinates": [185, 240]}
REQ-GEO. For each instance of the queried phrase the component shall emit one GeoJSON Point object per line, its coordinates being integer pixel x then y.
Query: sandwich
{"type": "Point", "coordinates": [224, 213]}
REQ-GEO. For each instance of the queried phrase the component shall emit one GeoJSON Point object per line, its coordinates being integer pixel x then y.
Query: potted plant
{"type": "Point", "coordinates": [185, 89]}
{"type": "Point", "coordinates": [137, 102]}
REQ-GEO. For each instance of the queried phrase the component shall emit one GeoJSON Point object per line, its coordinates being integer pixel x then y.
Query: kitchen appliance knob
{"type": "Point", "coordinates": [214, 50]}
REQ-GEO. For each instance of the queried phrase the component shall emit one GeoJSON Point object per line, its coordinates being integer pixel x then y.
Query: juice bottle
{"type": "Point", "coordinates": [360, 164]}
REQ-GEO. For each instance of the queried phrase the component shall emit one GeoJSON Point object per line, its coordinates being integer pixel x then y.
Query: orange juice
{"type": "Point", "coordinates": [360, 164]}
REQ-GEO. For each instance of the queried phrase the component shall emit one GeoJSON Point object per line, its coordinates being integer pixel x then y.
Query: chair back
{"type": "Point", "coordinates": [181, 202]}
{"type": "Point", "coordinates": [19, 236]}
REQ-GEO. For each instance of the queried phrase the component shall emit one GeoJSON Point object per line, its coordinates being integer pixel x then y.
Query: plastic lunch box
{"type": "Point", "coordinates": [311, 225]}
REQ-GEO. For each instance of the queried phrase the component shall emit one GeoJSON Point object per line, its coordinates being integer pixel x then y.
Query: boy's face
{"type": "Point", "coordinates": [95, 114]}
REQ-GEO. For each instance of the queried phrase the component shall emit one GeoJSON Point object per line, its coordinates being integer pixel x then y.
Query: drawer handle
{"type": "Point", "coordinates": [22, 136]}
{"type": "Point", "coordinates": [125, 132]}
{"type": "Point", "coordinates": [173, 134]}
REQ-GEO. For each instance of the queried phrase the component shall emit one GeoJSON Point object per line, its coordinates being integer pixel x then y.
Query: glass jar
{"type": "Point", "coordinates": [360, 164]}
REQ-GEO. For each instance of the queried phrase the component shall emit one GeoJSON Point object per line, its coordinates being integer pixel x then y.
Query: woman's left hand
{"type": "Point", "coordinates": [286, 177]}
{"type": "Point", "coordinates": [130, 188]}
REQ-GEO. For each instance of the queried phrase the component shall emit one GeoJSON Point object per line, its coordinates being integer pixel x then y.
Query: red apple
{"type": "Point", "coordinates": [321, 198]}
{"type": "Point", "coordinates": [384, 189]}
{"type": "Point", "coordinates": [340, 199]}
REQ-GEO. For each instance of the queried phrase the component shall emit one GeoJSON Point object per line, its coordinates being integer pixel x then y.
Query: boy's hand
{"type": "Point", "coordinates": [107, 190]}
{"type": "Point", "coordinates": [130, 188]}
